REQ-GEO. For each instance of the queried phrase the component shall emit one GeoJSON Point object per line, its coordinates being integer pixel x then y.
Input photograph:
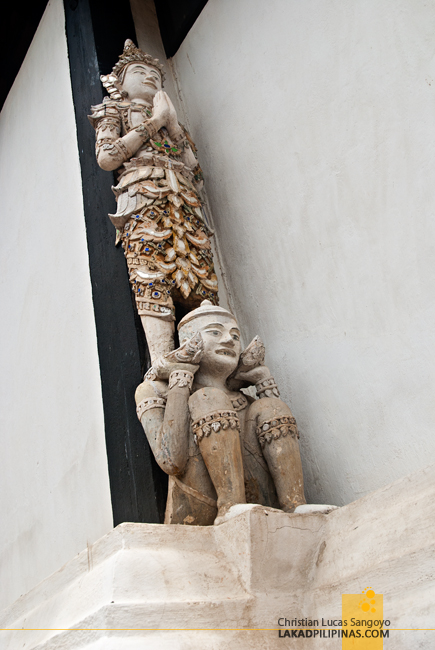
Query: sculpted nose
{"type": "Point", "coordinates": [227, 340]}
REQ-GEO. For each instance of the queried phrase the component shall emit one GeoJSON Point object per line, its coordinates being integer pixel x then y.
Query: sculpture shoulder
{"type": "Point", "coordinates": [107, 109]}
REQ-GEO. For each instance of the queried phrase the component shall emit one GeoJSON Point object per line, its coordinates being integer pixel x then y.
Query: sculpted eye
{"type": "Point", "coordinates": [236, 337]}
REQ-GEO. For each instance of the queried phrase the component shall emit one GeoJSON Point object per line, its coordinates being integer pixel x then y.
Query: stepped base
{"type": "Point", "coordinates": [181, 587]}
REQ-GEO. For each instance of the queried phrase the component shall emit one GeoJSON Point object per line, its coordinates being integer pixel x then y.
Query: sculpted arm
{"type": "Point", "coordinates": [112, 150]}
{"type": "Point", "coordinates": [178, 135]}
{"type": "Point", "coordinates": [167, 426]}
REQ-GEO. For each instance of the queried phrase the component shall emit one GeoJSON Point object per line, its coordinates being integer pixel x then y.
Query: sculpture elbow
{"type": "Point", "coordinates": [172, 466]}
{"type": "Point", "coordinates": [173, 458]}
{"type": "Point", "coordinates": [107, 162]}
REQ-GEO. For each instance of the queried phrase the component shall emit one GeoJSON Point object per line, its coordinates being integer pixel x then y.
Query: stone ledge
{"type": "Point", "coordinates": [245, 573]}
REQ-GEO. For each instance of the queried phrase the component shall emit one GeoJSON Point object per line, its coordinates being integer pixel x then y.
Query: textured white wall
{"type": "Point", "coordinates": [315, 127]}
{"type": "Point", "coordinates": [54, 488]}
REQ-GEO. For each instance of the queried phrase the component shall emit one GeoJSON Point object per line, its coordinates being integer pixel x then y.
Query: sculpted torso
{"type": "Point", "coordinates": [145, 102]}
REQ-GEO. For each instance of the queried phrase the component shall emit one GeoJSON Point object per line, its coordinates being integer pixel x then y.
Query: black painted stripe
{"type": "Point", "coordinates": [176, 17]}
{"type": "Point", "coordinates": [138, 486]}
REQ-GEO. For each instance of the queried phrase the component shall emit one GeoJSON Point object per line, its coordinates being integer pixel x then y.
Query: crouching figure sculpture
{"type": "Point", "coordinates": [219, 447]}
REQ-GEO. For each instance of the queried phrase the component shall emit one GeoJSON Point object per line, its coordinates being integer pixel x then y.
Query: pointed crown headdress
{"type": "Point", "coordinates": [131, 54]}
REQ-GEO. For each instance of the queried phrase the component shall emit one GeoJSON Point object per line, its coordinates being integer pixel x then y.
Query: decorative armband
{"type": "Point", "coordinates": [146, 130]}
{"type": "Point", "coordinates": [149, 403]}
{"type": "Point", "coordinates": [267, 388]}
{"type": "Point", "coordinates": [116, 149]}
{"type": "Point", "coordinates": [216, 421]}
{"type": "Point", "coordinates": [181, 378]}
{"type": "Point", "coordinates": [275, 428]}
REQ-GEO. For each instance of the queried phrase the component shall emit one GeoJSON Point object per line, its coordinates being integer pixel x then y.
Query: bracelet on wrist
{"type": "Point", "coordinates": [180, 379]}
{"type": "Point", "coordinates": [146, 130]}
{"type": "Point", "coordinates": [142, 131]}
{"type": "Point", "coordinates": [267, 388]}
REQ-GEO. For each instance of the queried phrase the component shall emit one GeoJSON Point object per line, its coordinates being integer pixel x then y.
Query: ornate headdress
{"type": "Point", "coordinates": [131, 54]}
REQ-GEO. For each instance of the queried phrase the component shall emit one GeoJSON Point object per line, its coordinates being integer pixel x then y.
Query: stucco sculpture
{"type": "Point", "coordinates": [159, 220]}
{"type": "Point", "coordinates": [219, 447]}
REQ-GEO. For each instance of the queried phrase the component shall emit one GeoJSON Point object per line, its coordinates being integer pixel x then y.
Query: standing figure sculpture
{"type": "Point", "coordinates": [158, 219]}
{"type": "Point", "coordinates": [219, 447]}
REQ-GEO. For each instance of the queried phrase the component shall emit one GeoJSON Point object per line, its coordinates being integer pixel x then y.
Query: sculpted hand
{"type": "Point", "coordinates": [186, 357]}
{"type": "Point", "coordinates": [252, 376]}
{"type": "Point", "coordinates": [251, 365]}
{"type": "Point", "coordinates": [161, 109]}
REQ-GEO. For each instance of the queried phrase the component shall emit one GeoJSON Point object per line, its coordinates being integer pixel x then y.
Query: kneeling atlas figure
{"type": "Point", "coordinates": [219, 446]}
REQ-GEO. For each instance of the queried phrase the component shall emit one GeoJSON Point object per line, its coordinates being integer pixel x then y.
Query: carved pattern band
{"type": "Point", "coordinates": [149, 403]}
{"type": "Point", "coordinates": [161, 310]}
{"type": "Point", "coordinates": [146, 130]}
{"type": "Point", "coordinates": [275, 428]}
{"type": "Point", "coordinates": [181, 378]}
{"type": "Point", "coordinates": [216, 421]}
{"type": "Point", "coordinates": [267, 388]}
{"type": "Point", "coordinates": [117, 149]}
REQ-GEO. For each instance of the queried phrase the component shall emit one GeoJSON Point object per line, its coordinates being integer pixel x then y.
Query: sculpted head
{"type": "Point", "coordinates": [136, 75]}
{"type": "Point", "coordinates": [140, 81]}
{"type": "Point", "coordinates": [221, 336]}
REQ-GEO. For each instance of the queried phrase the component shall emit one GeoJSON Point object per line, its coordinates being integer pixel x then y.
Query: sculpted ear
{"type": "Point", "coordinates": [253, 355]}
{"type": "Point", "coordinates": [113, 86]}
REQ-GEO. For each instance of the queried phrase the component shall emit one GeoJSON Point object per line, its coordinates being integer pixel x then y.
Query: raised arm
{"type": "Point", "coordinates": [111, 149]}
{"type": "Point", "coordinates": [166, 421]}
{"type": "Point", "coordinates": [181, 138]}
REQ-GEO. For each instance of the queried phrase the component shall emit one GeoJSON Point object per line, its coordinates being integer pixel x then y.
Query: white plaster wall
{"type": "Point", "coordinates": [315, 127]}
{"type": "Point", "coordinates": [54, 488]}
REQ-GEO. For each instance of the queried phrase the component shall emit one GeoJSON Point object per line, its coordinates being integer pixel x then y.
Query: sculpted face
{"type": "Point", "coordinates": [141, 81]}
{"type": "Point", "coordinates": [222, 346]}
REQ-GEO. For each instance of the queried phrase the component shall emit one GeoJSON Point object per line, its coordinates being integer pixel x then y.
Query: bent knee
{"type": "Point", "coordinates": [268, 407]}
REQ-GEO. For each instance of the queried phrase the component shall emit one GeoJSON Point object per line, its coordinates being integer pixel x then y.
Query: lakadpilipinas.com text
{"type": "Point", "coordinates": [330, 628]}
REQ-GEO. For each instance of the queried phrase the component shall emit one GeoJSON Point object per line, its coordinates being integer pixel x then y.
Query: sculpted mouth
{"type": "Point", "coordinates": [226, 352]}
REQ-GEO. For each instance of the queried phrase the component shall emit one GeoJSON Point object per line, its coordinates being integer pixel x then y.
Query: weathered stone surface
{"type": "Point", "coordinates": [219, 447]}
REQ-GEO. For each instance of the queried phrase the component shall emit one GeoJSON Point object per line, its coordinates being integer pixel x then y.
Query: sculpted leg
{"type": "Point", "coordinates": [216, 427]}
{"type": "Point", "coordinates": [277, 433]}
{"type": "Point", "coordinates": [159, 335]}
